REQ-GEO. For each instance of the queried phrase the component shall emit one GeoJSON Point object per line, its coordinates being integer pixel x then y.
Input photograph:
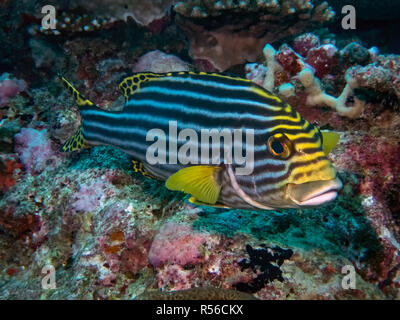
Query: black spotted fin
{"type": "Point", "coordinates": [199, 181]}
{"type": "Point", "coordinates": [131, 84]}
{"type": "Point", "coordinates": [330, 140]}
{"type": "Point", "coordinates": [77, 141]}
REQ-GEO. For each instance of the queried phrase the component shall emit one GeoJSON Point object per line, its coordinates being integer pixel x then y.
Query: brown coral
{"type": "Point", "coordinates": [228, 33]}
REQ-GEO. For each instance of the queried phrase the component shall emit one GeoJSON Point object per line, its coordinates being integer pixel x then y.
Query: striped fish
{"type": "Point", "coordinates": [290, 168]}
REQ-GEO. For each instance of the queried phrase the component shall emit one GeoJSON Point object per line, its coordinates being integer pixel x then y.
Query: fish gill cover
{"type": "Point", "coordinates": [89, 225]}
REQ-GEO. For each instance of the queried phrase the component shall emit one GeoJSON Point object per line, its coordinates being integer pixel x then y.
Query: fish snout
{"type": "Point", "coordinates": [314, 193]}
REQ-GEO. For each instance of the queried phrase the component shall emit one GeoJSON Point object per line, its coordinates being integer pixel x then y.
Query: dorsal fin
{"type": "Point", "coordinates": [129, 85]}
{"type": "Point", "coordinates": [79, 99]}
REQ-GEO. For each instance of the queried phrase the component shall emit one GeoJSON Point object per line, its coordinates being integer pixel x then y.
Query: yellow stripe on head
{"type": "Point", "coordinates": [322, 170]}
{"type": "Point", "coordinates": [308, 145]}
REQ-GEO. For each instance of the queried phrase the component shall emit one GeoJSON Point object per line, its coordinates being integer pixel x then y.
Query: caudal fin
{"type": "Point", "coordinates": [77, 141]}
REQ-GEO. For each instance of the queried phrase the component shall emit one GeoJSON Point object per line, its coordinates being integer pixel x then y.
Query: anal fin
{"type": "Point", "coordinates": [76, 142]}
{"type": "Point", "coordinates": [138, 167]}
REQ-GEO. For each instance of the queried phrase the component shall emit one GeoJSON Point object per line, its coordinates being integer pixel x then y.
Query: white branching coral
{"type": "Point", "coordinates": [317, 97]}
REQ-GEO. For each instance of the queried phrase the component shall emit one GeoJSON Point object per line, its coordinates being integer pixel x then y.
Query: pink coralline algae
{"type": "Point", "coordinates": [322, 59]}
{"type": "Point", "coordinates": [9, 88]}
{"type": "Point", "coordinates": [378, 160]}
{"type": "Point", "coordinates": [124, 253]}
{"type": "Point", "coordinates": [174, 277]}
{"type": "Point", "coordinates": [35, 150]}
{"type": "Point", "coordinates": [90, 196]}
{"type": "Point", "coordinates": [289, 60]}
{"type": "Point", "coordinates": [176, 243]}
{"type": "Point", "coordinates": [305, 42]}
{"type": "Point", "coordinates": [10, 171]}
{"type": "Point", "coordinates": [160, 62]}
{"type": "Point", "coordinates": [308, 53]}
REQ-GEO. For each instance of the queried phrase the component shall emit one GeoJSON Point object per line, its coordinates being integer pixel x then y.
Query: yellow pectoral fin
{"type": "Point", "coordinates": [330, 140]}
{"type": "Point", "coordinates": [199, 181]}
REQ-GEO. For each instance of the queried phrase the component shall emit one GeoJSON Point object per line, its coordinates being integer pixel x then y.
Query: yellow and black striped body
{"type": "Point", "coordinates": [207, 101]}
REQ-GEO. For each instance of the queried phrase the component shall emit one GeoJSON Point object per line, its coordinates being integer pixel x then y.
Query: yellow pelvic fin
{"type": "Point", "coordinates": [78, 98]}
{"type": "Point", "coordinates": [138, 167]}
{"type": "Point", "coordinates": [76, 142]}
{"type": "Point", "coordinates": [199, 203]}
{"type": "Point", "coordinates": [199, 181]}
{"type": "Point", "coordinates": [330, 140]}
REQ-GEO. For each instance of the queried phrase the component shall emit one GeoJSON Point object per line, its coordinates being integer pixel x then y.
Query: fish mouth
{"type": "Point", "coordinates": [315, 193]}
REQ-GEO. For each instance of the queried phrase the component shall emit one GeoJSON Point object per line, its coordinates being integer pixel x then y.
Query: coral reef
{"type": "Point", "coordinates": [301, 77]}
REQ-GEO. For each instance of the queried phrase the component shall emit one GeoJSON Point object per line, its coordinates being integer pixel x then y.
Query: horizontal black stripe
{"type": "Point", "coordinates": [218, 92]}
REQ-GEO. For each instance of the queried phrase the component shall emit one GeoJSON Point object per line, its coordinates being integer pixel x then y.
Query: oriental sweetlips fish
{"type": "Point", "coordinates": [289, 164]}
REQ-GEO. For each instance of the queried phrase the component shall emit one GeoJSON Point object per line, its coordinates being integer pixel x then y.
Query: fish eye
{"type": "Point", "coordinates": [279, 146]}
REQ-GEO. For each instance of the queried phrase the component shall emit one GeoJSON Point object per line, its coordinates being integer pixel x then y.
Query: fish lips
{"type": "Point", "coordinates": [314, 193]}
